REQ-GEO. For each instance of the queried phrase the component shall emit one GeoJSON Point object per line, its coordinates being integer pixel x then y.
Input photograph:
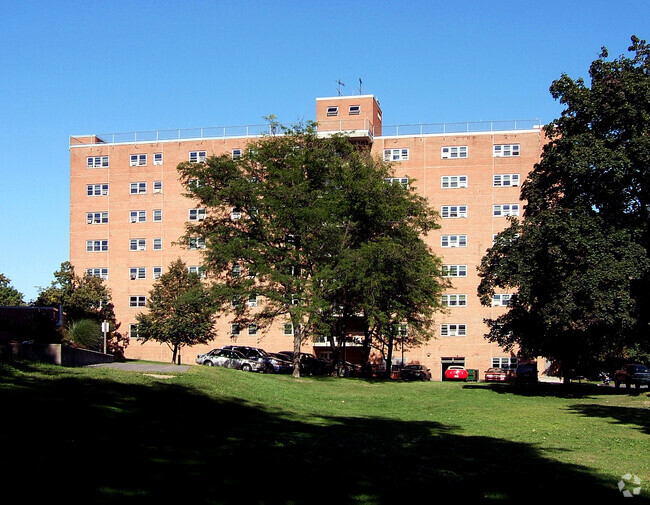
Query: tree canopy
{"type": "Point", "coordinates": [9, 295]}
{"type": "Point", "coordinates": [578, 262]}
{"type": "Point", "coordinates": [179, 311]}
{"type": "Point", "coordinates": [289, 222]}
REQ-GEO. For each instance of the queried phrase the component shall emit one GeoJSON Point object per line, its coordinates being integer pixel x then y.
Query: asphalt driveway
{"type": "Point", "coordinates": [145, 367]}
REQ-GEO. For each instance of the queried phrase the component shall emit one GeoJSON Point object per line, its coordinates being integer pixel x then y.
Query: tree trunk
{"type": "Point", "coordinates": [297, 343]}
{"type": "Point", "coordinates": [389, 358]}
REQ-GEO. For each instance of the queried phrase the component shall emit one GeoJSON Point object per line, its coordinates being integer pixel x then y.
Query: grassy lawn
{"type": "Point", "coordinates": [211, 435]}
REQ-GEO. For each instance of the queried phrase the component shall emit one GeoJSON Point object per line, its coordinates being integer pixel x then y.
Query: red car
{"type": "Point", "coordinates": [456, 373]}
{"type": "Point", "coordinates": [495, 375]}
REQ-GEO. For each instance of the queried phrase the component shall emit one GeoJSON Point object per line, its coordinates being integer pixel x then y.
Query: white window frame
{"type": "Point", "coordinates": [505, 209]}
{"type": "Point", "coordinates": [287, 329]}
{"type": "Point", "coordinates": [198, 270]}
{"type": "Point", "coordinates": [506, 363]}
{"type": "Point", "coordinates": [157, 244]}
{"type": "Point", "coordinates": [196, 214]}
{"type": "Point", "coordinates": [97, 162]}
{"type": "Point", "coordinates": [235, 329]}
{"type": "Point", "coordinates": [195, 243]}
{"type": "Point", "coordinates": [453, 330]}
{"type": "Point", "coordinates": [138, 160]}
{"type": "Point", "coordinates": [137, 301]}
{"type": "Point", "coordinates": [453, 241]}
{"type": "Point", "coordinates": [454, 300]}
{"type": "Point", "coordinates": [332, 111]}
{"type": "Point", "coordinates": [505, 150]}
{"type": "Point", "coordinates": [402, 181]}
{"type": "Point", "coordinates": [453, 152]}
{"type": "Point", "coordinates": [137, 273]}
{"type": "Point", "coordinates": [137, 188]}
{"type": "Point", "coordinates": [101, 272]}
{"type": "Point", "coordinates": [157, 272]}
{"type": "Point", "coordinates": [198, 156]}
{"type": "Point", "coordinates": [453, 211]}
{"type": "Point", "coordinates": [157, 158]}
{"type": "Point", "coordinates": [397, 154]}
{"type": "Point", "coordinates": [97, 189]}
{"type": "Point", "coordinates": [96, 217]}
{"type": "Point", "coordinates": [505, 180]}
{"type": "Point", "coordinates": [235, 213]}
{"type": "Point", "coordinates": [137, 244]}
{"type": "Point", "coordinates": [252, 300]}
{"type": "Point", "coordinates": [353, 110]}
{"type": "Point", "coordinates": [236, 154]}
{"type": "Point", "coordinates": [96, 245]}
{"type": "Point", "coordinates": [157, 215]}
{"type": "Point", "coordinates": [252, 329]}
{"type": "Point", "coordinates": [133, 331]}
{"type": "Point", "coordinates": [157, 186]}
{"type": "Point", "coordinates": [453, 181]}
{"type": "Point", "coordinates": [454, 271]}
{"type": "Point", "coordinates": [501, 299]}
{"type": "Point", "coordinates": [137, 216]}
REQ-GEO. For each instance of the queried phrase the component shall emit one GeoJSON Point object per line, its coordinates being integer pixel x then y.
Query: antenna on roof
{"type": "Point", "coordinates": [338, 89]}
{"type": "Point", "coordinates": [360, 86]}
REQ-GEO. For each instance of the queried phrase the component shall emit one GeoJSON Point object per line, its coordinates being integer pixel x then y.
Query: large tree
{"type": "Point", "coordinates": [179, 311]}
{"type": "Point", "coordinates": [284, 216]}
{"type": "Point", "coordinates": [579, 261]}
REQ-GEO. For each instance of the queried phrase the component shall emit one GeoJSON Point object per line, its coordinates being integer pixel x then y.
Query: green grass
{"type": "Point", "coordinates": [211, 435]}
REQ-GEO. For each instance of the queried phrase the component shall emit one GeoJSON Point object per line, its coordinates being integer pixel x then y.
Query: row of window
{"type": "Point", "coordinates": [453, 152]}
{"type": "Point", "coordinates": [140, 244]}
{"type": "Point", "coordinates": [460, 300]}
{"type": "Point", "coordinates": [460, 211]}
{"type": "Point", "coordinates": [140, 272]}
{"type": "Point", "coordinates": [460, 181]}
{"type": "Point", "coordinates": [141, 159]}
{"type": "Point", "coordinates": [353, 110]}
{"type": "Point", "coordinates": [140, 216]}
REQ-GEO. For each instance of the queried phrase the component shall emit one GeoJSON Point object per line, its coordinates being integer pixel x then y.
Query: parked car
{"type": "Point", "coordinates": [347, 369]}
{"type": "Point", "coordinates": [200, 358]}
{"type": "Point", "coordinates": [415, 372]}
{"type": "Point", "coordinates": [455, 372]}
{"type": "Point", "coordinates": [629, 374]}
{"type": "Point", "coordinates": [256, 354]}
{"type": "Point", "coordinates": [526, 373]}
{"type": "Point", "coordinates": [496, 375]}
{"type": "Point", "coordinates": [229, 358]}
{"type": "Point", "coordinates": [310, 364]}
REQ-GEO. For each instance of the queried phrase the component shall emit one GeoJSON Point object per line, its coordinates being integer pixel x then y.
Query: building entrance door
{"type": "Point", "coordinates": [447, 362]}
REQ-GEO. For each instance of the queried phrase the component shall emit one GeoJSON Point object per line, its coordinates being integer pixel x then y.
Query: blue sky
{"type": "Point", "coordinates": [80, 67]}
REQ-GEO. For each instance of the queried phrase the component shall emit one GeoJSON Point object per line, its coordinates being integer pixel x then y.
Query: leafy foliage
{"type": "Point", "coordinates": [579, 261]}
{"type": "Point", "coordinates": [291, 220]}
{"type": "Point", "coordinates": [180, 310]}
{"type": "Point", "coordinates": [85, 333]}
{"type": "Point", "coordinates": [9, 296]}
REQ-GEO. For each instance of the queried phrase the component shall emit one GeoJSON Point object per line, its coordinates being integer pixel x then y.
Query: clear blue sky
{"type": "Point", "coordinates": [77, 67]}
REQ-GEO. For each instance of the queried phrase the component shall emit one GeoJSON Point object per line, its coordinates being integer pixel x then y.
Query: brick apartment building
{"type": "Point", "coordinates": [127, 209]}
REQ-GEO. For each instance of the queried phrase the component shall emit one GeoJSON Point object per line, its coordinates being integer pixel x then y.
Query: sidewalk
{"type": "Point", "coordinates": [145, 367]}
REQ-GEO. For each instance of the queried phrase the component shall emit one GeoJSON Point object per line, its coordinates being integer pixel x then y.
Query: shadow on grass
{"type": "Point", "coordinates": [104, 442]}
{"type": "Point", "coordinates": [619, 415]}
{"type": "Point", "coordinates": [573, 390]}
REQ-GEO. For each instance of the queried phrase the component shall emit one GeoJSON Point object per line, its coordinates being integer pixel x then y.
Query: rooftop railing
{"type": "Point", "coordinates": [216, 132]}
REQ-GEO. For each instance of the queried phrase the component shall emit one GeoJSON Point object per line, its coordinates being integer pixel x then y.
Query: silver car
{"type": "Point", "coordinates": [200, 358]}
{"type": "Point", "coordinates": [229, 358]}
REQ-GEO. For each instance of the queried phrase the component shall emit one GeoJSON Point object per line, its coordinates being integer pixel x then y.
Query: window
{"type": "Point", "coordinates": [236, 154]}
{"type": "Point", "coordinates": [453, 152]}
{"type": "Point", "coordinates": [505, 180]}
{"type": "Point", "coordinates": [453, 211]}
{"type": "Point", "coordinates": [138, 216]}
{"type": "Point", "coordinates": [133, 331]}
{"type": "Point", "coordinates": [198, 270]}
{"type": "Point", "coordinates": [506, 209]}
{"type": "Point", "coordinates": [252, 329]}
{"type": "Point", "coordinates": [354, 110]}
{"type": "Point", "coordinates": [157, 215]}
{"type": "Point", "coordinates": [403, 181]}
{"type": "Point", "coordinates": [157, 186]}
{"type": "Point", "coordinates": [396, 154]}
{"type": "Point", "coordinates": [454, 300]}
{"type": "Point", "coordinates": [236, 271]}
{"type": "Point", "coordinates": [138, 160]}
{"type": "Point", "coordinates": [505, 150]}
{"type": "Point", "coordinates": [287, 329]}
{"type": "Point", "coordinates": [453, 330]}
{"type": "Point", "coordinates": [96, 217]}
{"type": "Point", "coordinates": [252, 300]}
{"type": "Point", "coordinates": [453, 241]}
{"type": "Point", "coordinates": [235, 329]}
{"type": "Point", "coordinates": [505, 363]}
{"type": "Point", "coordinates": [196, 214]}
{"type": "Point", "coordinates": [332, 111]}
{"type": "Point", "coordinates": [400, 329]}
{"type": "Point", "coordinates": [454, 270]}
{"type": "Point", "coordinates": [137, 273]}
{"type": "Point", "coordinates": [235, 213]}
{"type": "Point", "coordinates": [137, 244]}
{"type": "Point", "coordinates": [96, 245]}
{"type": "Point", "coordinates": [97, 189]}
{"type": "Point", "coordinates": [102, 273]}
{"type": "Point", "coordinates": [501, 300]}
{"type": "Point", "coordinates": [157, 272]}
{"type": "Point", "coordinates": [97, 162]}
{"type": "Point", "coordinates": [137, 301]}
{"type": "Point", "coordinates": [453, 181]}
{"type": "Point", "coordinates": [157, 244]}
{"type": "Point", "coordinates": [196, 243]}
{"type": "Point", "coordinates": [138, 188]}
{"type": "Point", "coordinates": [157, 158]}
{"type": "Point", "coordinates": [198, 156]}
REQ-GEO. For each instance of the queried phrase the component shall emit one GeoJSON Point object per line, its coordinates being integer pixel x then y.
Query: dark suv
{"type": "Point", "coordinates": [629, 374]}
